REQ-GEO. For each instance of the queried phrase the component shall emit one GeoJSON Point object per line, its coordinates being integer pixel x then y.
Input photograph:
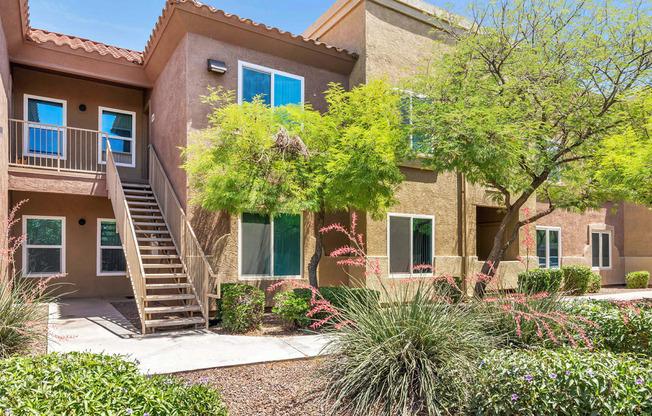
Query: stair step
{"type": "Point", "coordinates": [166, 276]}
{"type": "Point", "coordinates": [183, 296]}
{"type": "Point", "coordinates": [134, 209]}
{"type": "Point", "coordinates": [168, 286]}
{"type": "Point", "coordinates": [157, 247]}
{"type": "Point", "coordinates": [141, 204]}
{"type": "Point", "coordinates": [152, 232]}
{"type": "Point", "coordinates": [140, 197]}
{"type": "Point", "coordinates": [173, 309]}
{"type": "Point", "coordinates": [162, 266]}
{"type": "Point", "coordinates": [148, 217]}
{"type": "Point", "coordinates": [138, 191]}
{"type": "Point", "coordinates": [159, 256]}
{"type": "Point", "coordinates": [154, 239]}
{"type": "Point", "coordinates": [156, 323]}
{"type": "Point", "coordinates": [135, 185]}
{"type": "Point", "coordinates": [150, 224]}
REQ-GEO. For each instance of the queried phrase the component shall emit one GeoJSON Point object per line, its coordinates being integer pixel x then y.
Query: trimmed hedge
{"type": "Point", "coordinates": [242, 308]}
{"type": "Point", "coordinates": [569, 382]}
{"type": "Point", "coordinates": [292, 309]}
{"type": "Point", "coordinates": [224, 288]}
{"type": "Point", "coordinates": [595, 283]}
{"type": "Point", "coordinates": [540, 280]}
{"type": "Point", "coordinates": [638, 280]}
{"type": "Point", "coordinates": [93, 384]}
{"type": "Point", "coordinates": [576, 279]}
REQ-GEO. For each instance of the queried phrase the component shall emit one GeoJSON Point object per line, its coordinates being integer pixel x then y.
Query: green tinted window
{"type": "Point", "coordinates": [44, 232]}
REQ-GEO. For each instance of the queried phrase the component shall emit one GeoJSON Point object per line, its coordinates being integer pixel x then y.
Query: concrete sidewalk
{"type": "Point", "coordinates": [93, 325]}
{"type": "Point", "coordinates": [647, 294]}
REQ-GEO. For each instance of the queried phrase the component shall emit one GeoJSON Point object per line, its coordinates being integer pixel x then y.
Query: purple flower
{"type": "Point", "coordinates": [187, 383]}
{"type": "Point", "coordinates": [639, 381]}
{"type": "Point", "coordinates": [129, 411]}
{"type": "Point", "coordinates": [146, 414]}
{"type": "Point", "coordinates": [8, 412]}
{"type": "Point", "coordinates": [515, 396]}
{"type": "Point", "coordinates": [528, 377]}
{"type": "Point", "coordinates": [568, 373]}
{"type": "Point", "coordinates": [149, 376]}
{"type": "Point", "coordinates": [482, 362]}
{"type": "Point", "coordinates": [553, 376]}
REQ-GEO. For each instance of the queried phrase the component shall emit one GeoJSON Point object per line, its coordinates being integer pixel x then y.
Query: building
{"type": "Point", "coordinates": [116, 219]}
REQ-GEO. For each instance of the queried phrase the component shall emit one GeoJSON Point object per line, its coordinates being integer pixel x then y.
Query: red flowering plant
{"type": "Point", "coordinates": [22, 301]}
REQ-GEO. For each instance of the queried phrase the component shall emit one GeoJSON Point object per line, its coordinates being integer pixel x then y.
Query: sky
{"type": "Point", "coordinates": [129, 23]}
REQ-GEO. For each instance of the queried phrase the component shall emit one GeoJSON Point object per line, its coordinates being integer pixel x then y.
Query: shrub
{"type": "Point", "coordinates": [637, 280]}
{"type": "Point", "coordinates": [91, 384]}
{"type": "Point", "coordinates": [292, 309]}
{"type": "Point", "coordinates": [622, 326]}
{"type": "Point", "coordinates": [595, 283]}
{"type": "Point", "coordinates": [339, 296]}
{"type": "Point", "coordinates": [576, 279]}
{"type": "Point", "coordinates": [242, 308]}
{"type": "Point", "coordinates": [540, 280]}
{"type": "Point", "coordinates": [569, 382]}
{"type": "Point", "coordinates": [224, 288]}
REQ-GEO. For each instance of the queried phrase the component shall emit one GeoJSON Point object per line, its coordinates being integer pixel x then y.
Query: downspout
{"type": "Point", "coordinates": [462, 227]}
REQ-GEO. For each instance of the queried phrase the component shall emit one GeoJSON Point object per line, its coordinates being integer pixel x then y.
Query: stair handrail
{"type": "Point", "coordinates": [127, 232]}
{"type": "Point", "coordinates": [198, 268]}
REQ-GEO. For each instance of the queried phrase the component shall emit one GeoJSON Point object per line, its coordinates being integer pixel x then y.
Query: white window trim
{"type": "Point", "coordinates": [108, 136]}
{"type": "Point", "coordinates": [270, 276]}
{"type": "Point", "coordinates": [432, 243]}
{"type": "Point", "coordinates": [100, 247]}
{"type": "Point", "coordinates": [62, 247]}
{"type": "Point", "coordinates": [547, 230]}
{"type": "Point", "coordinates": [64, 129]}
{"type": "Point", "coordinates": [600, 250]}
{"type": "Point", "coordinates": [272, 72]}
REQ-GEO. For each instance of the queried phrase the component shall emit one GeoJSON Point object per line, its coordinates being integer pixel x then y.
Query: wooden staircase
{"type": "Point", "coordinates": [169, 301]}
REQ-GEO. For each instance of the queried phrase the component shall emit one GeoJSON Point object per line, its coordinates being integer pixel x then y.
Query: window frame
{"type": "Point", "coordinates": [108, 136]}
{"type": "Point", "coordinates": [61, 247]}
{"type": "Point", "coordinates": [100, 247]}
{"type": "Point", "coordinates": [432, 243]}
{"type": "Point", "coordinates": [600, 233]}
{"type": "Point", "coordinates": [273, 73]}
{"type": "Point", "coordinates": [64, 142]}
{"type": "Point", "coordinates": [547, 230]}
{"type": "Point", "coordinates": [271, 276]}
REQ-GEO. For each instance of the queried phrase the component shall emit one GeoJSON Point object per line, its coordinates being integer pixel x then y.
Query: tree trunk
{"type": "Point", "coordinates": [314, 260]}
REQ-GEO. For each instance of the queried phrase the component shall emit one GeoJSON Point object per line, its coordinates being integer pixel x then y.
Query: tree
{"type": "Point", "coordinates": [291, 159]}
{"type": "Point", "coordinates": [524, 100]}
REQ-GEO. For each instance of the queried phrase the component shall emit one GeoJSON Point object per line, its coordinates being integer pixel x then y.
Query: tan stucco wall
{"type": "Point", "coordinates": [5, 85]}
{"type": "Point", "coordinates": [78, 91]}
{"type": "Point", "coordinates": [81, 241]}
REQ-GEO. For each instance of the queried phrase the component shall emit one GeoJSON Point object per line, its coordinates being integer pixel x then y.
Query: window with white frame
{"type": "Point", "coordinates": [411, 104]}
{"type": "Point", "coordinates": [110, 256]}
{"type": "Point", "coordinates": [120, 129]}
{"type": "Point", "coordinates": [270, 246]}
{"type": "Point", "coordinates": [274, 88]}
{"type": "Point", "coordinates": [44, 247]}
{"type": "Point", "coordinates": [601, 249]}
{"type": "Point", "coordinates": [45, 131]}
{"type": "Point", "coordinates": [410, 240]}
{"type": "Point", "coordinates": [549, 247]}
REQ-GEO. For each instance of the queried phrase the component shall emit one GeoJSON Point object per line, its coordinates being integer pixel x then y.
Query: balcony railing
{"type": "Point", "coordinates": [58, 148]}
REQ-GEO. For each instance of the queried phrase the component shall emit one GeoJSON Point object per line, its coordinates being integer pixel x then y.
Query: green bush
{"type": "Point", "coordinates": [595, 283]}
{"type": "Point", "coordinates": [570, 382]}
{"type": "Point", "coordinates": [292, 309]}
{"type": "Point", "coordinates": [637, 280]}
{"type": "Point", "coordinates": [540, 280]}
{"type": "Point", "coordinates": [339, 296]}
{"type": "Point", "coordinates": [242, 308]}
{"type": "Point", "coordinates": [224, 288]}
{"type": "Point", "coordinates": [576, 279]}
{"type": "Point", "coordinates": [620, 329]}
{"type": "Point", "coordinates": [91, 384]}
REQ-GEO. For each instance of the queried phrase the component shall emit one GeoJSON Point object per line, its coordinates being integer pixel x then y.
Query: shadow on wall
{"type": "Point", "coordinates": [210, 229]}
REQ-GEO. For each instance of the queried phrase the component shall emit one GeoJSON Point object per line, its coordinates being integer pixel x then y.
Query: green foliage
{"type": "Point", "coordinates": [224, 288]}
{"type": "Point", "coordinates": [413, 354]}
{"type": "Point", "coordinates": [540, 280]}
{"type": "Point", "coordinates": [620, 328]}
{"type": "Point", "coordinates": [571, 382]}
{"type": "Point", "coordinates": [576, 279]}
{"type": "Point", "coordinates": [292, 309]}
{"type": "Point", "coordinates": [242, 308]}
{"type": "Point", "coordinates": [637, 280]}
{"type": "Point", "coordinates": [595, 283]}
{"type": "Point", "coordinates": [340, 296]}
{"type": "Point", "coordinates": [91, 384]}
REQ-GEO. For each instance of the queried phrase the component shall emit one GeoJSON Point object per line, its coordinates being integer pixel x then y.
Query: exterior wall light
{"type": "Point", "coordinates": [218, 67]}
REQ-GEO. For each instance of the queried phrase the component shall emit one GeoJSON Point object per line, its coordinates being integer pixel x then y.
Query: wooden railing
{"type": "Point", "coordinates": [127, 233]}
{"type": "Point", "coordinates": [200, 273]}
{"type": "Point", "coordinates": [58, 148]}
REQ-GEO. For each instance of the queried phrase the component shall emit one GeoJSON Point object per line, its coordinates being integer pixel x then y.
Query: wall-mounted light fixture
{"type": "Point", "coordinates": [218, 67]}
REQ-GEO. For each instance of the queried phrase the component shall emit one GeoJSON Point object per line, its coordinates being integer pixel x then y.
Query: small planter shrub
{"type": "Point", "coordinates": [576, 279]}
{"type": "Point", "coordinates": [242, 308]}
{"type": "Point", "coordinates": [224, 288]}
{"type": "Point", "coordinates": [292, 309]}
{"type": "Point", "coordinates": [540, 280]}
{"type": "Point", "coordinates": [570, 382]}
{"type": "Point", "coordinates": [637, 280]}
{"type": "Point", "coordinates": [92, 384]}
{"type": "Point", "coordinates": [595, 283]}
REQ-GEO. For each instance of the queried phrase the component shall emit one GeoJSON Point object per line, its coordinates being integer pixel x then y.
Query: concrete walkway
{"type": "Point", "coordinates": [625, 296]}
{"type": "Point", "coordinates": [93, 325]}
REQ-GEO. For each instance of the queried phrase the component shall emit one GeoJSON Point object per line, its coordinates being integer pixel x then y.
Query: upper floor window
{"type": "Point", "coordinates": [410, 240]}
{"type": "Point", "coordinates": [601, 250]}
{"type": "Point", "coordinates": [120, 126]}
{"type": "Point", "coordinates": [275, 88]}
{"type": "Point", "coordinates": [548, 247]}
{"type": "Point", "coordinates": [411, 103]}
{"type": "Point", "coordinates": [48, 137]}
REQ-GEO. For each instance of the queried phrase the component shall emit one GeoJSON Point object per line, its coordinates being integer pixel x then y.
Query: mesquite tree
{"type": "Point", "coordinates": [523, 101]}
{"type": "Point", "coordinates": [292, 159]}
